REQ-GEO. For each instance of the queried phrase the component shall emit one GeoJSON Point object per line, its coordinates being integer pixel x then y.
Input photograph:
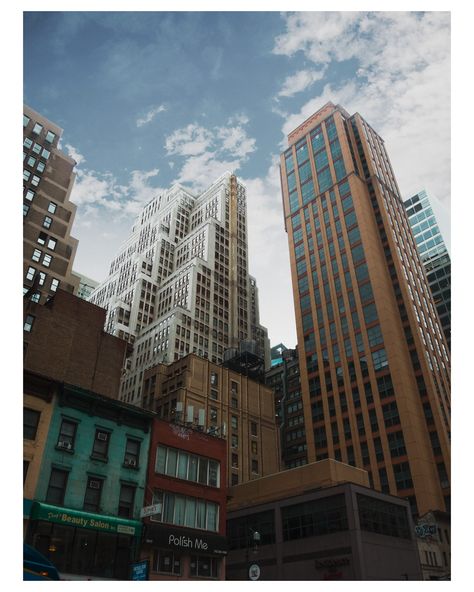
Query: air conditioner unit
{"type": "Point", "coordinates": [102, 436]}
{"type": "Point", "coordinates": [131, 462]}
{"type": "Point", "coordinates": [94, 484]}
{"type": "Point", "coordinates": [65, 445]}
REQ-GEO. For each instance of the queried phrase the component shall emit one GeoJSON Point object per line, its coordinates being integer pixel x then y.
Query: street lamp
{"type": "Point", "coordinates": [253, 567]}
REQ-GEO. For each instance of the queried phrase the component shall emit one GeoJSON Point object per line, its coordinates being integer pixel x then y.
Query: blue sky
{"type": "Point", "coordinates": [148, 99]}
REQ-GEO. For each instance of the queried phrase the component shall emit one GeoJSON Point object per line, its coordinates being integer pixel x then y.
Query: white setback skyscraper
{"type": "Point", "coordinates": [180, 283]}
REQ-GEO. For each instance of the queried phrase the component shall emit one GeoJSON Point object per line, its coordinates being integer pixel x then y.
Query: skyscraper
{"type": "Point", "coordinates": [434, 255]}
{"type": "Point", "coordinates": [48, 177]}
{"type": "Point", "coordinates": [180, 283]}
{"type": "Point", "coordinates": [374, 363]}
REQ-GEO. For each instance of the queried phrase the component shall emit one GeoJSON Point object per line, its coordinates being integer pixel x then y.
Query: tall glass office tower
{"type": "Point", "coordinates": [374, 364]}
{"type": "Point", "coordinates": [434, 255]}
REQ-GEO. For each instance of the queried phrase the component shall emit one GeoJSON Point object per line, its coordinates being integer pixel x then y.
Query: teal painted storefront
{"type": "Point", "coordinates": [73, 454]}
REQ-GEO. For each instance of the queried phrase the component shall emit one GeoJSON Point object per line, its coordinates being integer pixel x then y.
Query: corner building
{"type": "Point", "coordinates": [373, 361]}
{"type": "Point", "coordinates": [180, 283]}
{"type": "Point", "coordinates": [48, 215]}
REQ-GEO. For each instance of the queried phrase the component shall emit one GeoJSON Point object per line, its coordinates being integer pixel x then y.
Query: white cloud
{"type": "Point", "coordinates": [189, 141]}
{"type": "Point", "coordinates": [150, 115]}
{"type": "Point", "coordinates": [300, 81]}
{"type": "Point", "coordinates": [401, 86]}
{"type": "Point", "coordinates": [75, 154]}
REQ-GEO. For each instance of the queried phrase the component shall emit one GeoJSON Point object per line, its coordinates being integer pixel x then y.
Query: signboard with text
{"type": "Point", "coordinates": [186, 539]}
{"type": "Point", "coordinates": [139, 571]}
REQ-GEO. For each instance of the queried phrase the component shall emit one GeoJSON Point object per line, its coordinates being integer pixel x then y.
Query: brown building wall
{"type": "Point", "coordinates": [67, 342]}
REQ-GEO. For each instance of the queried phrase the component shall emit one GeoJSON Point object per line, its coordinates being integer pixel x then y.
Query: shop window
{"type": "Point", "coordinates": [30, 423]}
{"type": "Point", "coordinates": [166, 562]}
{"type": "Point", "coordinates": [203, 566]}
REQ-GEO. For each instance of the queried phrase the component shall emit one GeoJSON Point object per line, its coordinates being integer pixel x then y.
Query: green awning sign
{"type": "Point", "coordinates": [79, 519]}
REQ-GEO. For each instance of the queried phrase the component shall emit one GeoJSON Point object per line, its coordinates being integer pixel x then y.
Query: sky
{"type": "Point", "coordinates": [148, 99]}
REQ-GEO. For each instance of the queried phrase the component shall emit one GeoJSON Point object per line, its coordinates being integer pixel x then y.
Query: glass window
{"type": "Point", "coordinates": [126, 500]}
{"type": "Point", "coordinates": [47, 260]}
{"type": "Point", "coordinates": [383, 517]}
{"type": "Point", "coordinates": [203, 566]}
{"type": "Point", "coordinates": [26, 120]}
{"type": "Point", "coordinates": [31, 161]}
{"type": "Point", "coordinates": [29, 194]}
{"type": "Point", "coordinates": [132, 453]}
{"type": "Point", "coordinates": [45, 153]}
{"type": "Point", "coordinates": [166, 562]}
{"type": "Point", "coordinates": [67, 434]}
{"type": "Point", "coordinates": [40, 167]}
{"type": "Point", "coordinates": [36, 255]}
{"type": "Point", "coordinates": [27, 143]}
{"type": "Point", "coordinates": [52, 207]}
{"type": "Point", "coordinates": [47, 222]}
{"type": "Point", "coordinates": [54, 284]}
{"type": "Point", "coordinates": [379, 359]}
{"type": "Point", "coordinates": [57, 487]}
{"type": "Point", "coordinates": [28, 325]}
{"type": "Point", "coordinates": [50, 137]}
{"type": "Point", "coordinates": [37, 128]}
{"type": "Point", "coordinates": [30, 423]}
{"type": "Point", "coordinates": [26, 209]}
{"type": "Point", "coordinates": [93, 494]}
{"type": "Point", "coordinates": [35, 180]}
{"type": "Point", "coordinates": [30, 274]}
{"type": "Point", "coordinates": [52, 242]}
{"type": "Point", "coordinates": [26, 175]}
{"type": "Point", "coordinates": [101, 444]}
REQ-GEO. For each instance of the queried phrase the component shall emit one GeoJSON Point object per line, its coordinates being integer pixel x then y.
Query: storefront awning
{"type": "Point", "coordinates": [69, 517]}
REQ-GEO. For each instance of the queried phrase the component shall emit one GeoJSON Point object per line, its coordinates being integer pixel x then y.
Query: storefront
{"type": "Point", "coordinates": [83, 544]}
{"type": "Point", "coordinates": [183, 553]}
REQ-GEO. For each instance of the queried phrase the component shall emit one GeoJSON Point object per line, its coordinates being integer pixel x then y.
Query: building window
{"type": "Point", "coordinates": [30, 423]}
{"type": "Point", "coordinates": [184, 510]}
{"type": "Point", "coordinates": [214, 379]}
{"type": "Point", "coordinates": [127, 497]}
{"type": "Point", "coordinates": [93, 494]}
{"type": "Point", "coordinates": [67, 435]}
{"type": "Point", "coordinates": [29, 194]}
{"type": "Point", "coordinates": [57, 487]}
{"type": "Point", "coordinates": [214, 394]}
{"type": "Point", "coordinates": [52, 243]}
{"type": "Point", "coordinates": [42, 238]}
{"type": "Point", "coordinates": [132, 453]}
{"type": "Point", "coordinates": [50, 137]}
{"type": "Point", "coordinates": [42, 278]}
{"type": "Point", "coordinates": [26, 175]}
{"type": "Point", "coordinates": [54, 284]}
{"type": "Point", "coordinates": [234, 441]}
{"type": "Point", "coordinates": [40, 167]}
{"type": "Point", "coordinates": [101, 444]}
{"type": "Point", "coordinates": [166, 562]}
{"type": "Point", "coordinates": [35, 180]}
{"type": "Point", "coordinates": [31, 161]}
{"type": "Point", "coordinates": [234, 402]}
{"type": "Point", "coordinates": [26, 209]}
{"type": "Point", "coordinates": [253, 428]}
{"type": "Point", "coordinates": [52, 207]}
{"type": "Point", "coordinates": [234, 479]}
{"type": "Point", "coordinates": [28, 326]}
{"type": "Point", "coordinates": [203, 566]}
{"type": "Point", "coordinates": [35, 257]}
{"type": "Point", "coordinates": [187, 466]}
{"type": "Point", "coordinates": [47, 222]}
{"type": "Point", "coordinates": [45, 153]}
{"type": "Point", "coordinates": [254, 466]}
{"type": "Point", "coordinates": [402, 474]}
{"type": "Point", "coordinates": [314, 518]}
{"type": "Point", "coordinates": [37, 128]}
{"type": "Point", "coordinates": [383, 517]}
{"type": "Point", "coordinates": [26, 120]}
{"type": "Point", "coordinates": [36, 148]}
{"type": "Point", "coordinates": [47, 260]}
{"type": "Point", "coordinates": [235, 460]}
{"type": "Point", "coordinates": [234, 422]}
{"type": "Point", "coordinates": [254, 447]}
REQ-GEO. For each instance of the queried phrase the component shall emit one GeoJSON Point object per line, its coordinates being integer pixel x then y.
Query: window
{"type": "Point", "coordinates": [67, 435]}
{"type": "Point", "coordinates": [234, 441]}
{"type": "Point", "coordinates": [235, 460]}
{"type": "Point", "coordinates": [47, 260]}
{"type": "Point", "coordinates": [35, 180]}
{"type": "Point", "coordinates": [186, 511]}
{"type": "Point", "coordinates": [26, 120]}
{"type": "Point", "coordinates": [54, 284]}
{"type": "Point", "coordinates": [52, 243]}
{"type": "Point", "coordinates": [314, 518]}
{"type": "Point", "coordinates": [214, 379]}
{"type": "Point", "coordinates": [50, 137]}
{"type": "Point", "coordinates": [254, 466]}
{"type": "Point", "coordinates": [184, 465]}
{"type": "Point", "coordinates": [28, 326]}
{"type": "Point", "coordinates": [52, 207]}
{"type": "Point", "coordinates": [93, 494]}
{"type": "Point", "coordinates": [37, 128]}
{"type": "Point", "coordinates": [383, 517]}
{"type": "Point", "coordinates": [36, 148]}
{"type": "Point", "coordinates": [379, 359]}
{"type": "Point", "coordinates": [26, 175]}
{"type": "Point", "coordinates": [101, 444]}
{"type": "Point", "coordinates": [254, 447]}
{"type": "Point", "coordinates": [47, 222]}
{"type": "Point", "coordinates": [36, 256]}
{"type": "Point", "coordinates": [30, 423]}
{"type": "Point", "coordinates": [42, 278]}
{"type": "Point", "coordinates": [234, 422]}
{"type": "Point", "coordinates": [203, 566]}
{"type": "Point", "coordinates": [45, 153]}
{"type": "Point", "coordinates": [390, 414]}
{"type": "Point", "coordinates": [29, 194]}
{"type": "Point", "coordinates": [396, 444]}
{"type": "Point", "coordinates": [26, 209]}
{"type": "Point", "coordinates": [402, 476]}
{"type": "Point", "coordinates": [253, 428]}
{"type": "Point", "coordinates": [27, 143]}
{"type": "Point", "coordinates": [166, 562]}
{"type": "Point", "coordinates": [132, 453]}
{"type": "Point", "coordinates": [127, 497]}
{"type": "Point", "coordinates": [214, 394]}
{"type": "Point", "coordinates": [31, 161]}
{"type": "Point", "coordinates": [57, 487]}
{"type": "Point", "coordinates": [40, 167]}
{"type": "Point", "coordinates": [42, 238]}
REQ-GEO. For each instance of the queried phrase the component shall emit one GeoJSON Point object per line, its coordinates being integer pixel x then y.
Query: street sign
{"type": "Point", "coordinates": [140, 570]}
{"type": "Point", "coordinates": [150, 510]}
{"type": "Point", "coordinates": [254, 572]}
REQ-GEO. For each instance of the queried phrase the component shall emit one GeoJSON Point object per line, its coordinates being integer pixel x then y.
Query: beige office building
{"type": "Point", "coordinates": [375, 368]}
